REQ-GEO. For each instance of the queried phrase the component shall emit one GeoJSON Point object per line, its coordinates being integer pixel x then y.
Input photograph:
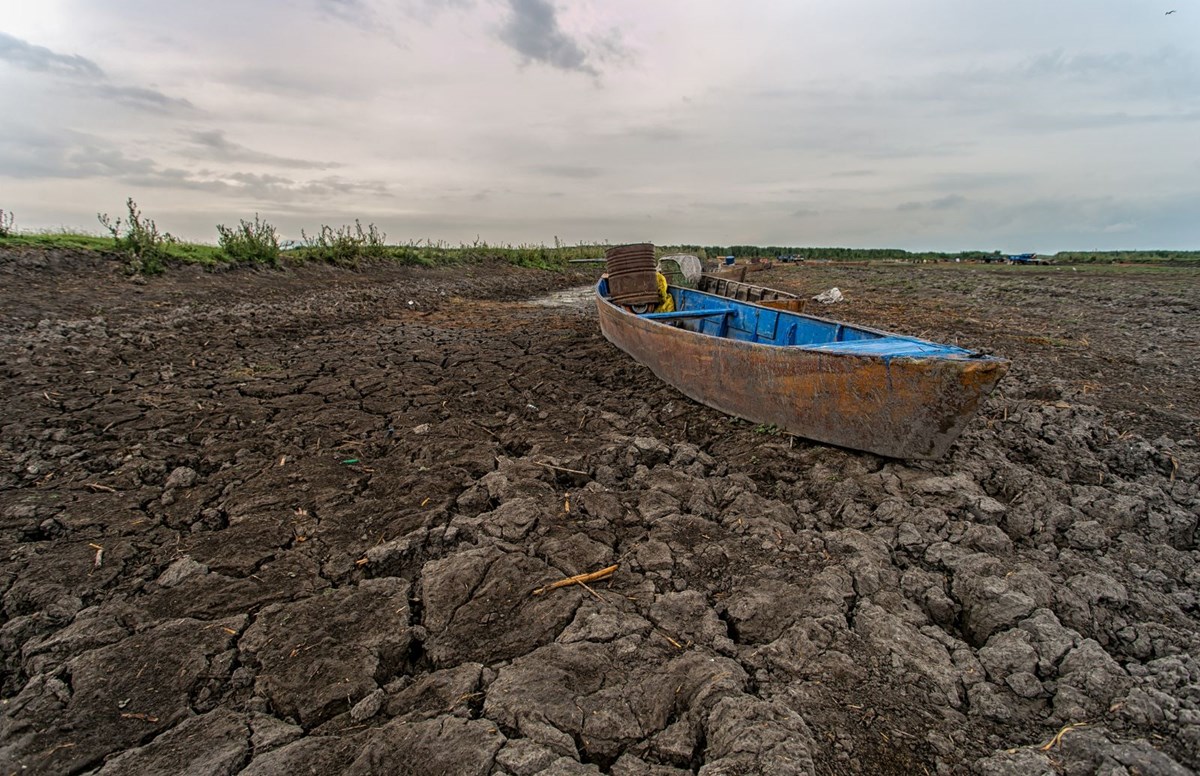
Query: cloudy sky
{"type": "Point", "coordinates": [930, 124]}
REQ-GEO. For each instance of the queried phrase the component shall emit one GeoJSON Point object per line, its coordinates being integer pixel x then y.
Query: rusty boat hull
{"type": "Point", "coordinates": [830, 382]}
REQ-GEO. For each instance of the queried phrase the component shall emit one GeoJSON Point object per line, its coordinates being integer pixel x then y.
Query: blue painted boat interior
{"type": "Point", "coordinates": [733, 319]}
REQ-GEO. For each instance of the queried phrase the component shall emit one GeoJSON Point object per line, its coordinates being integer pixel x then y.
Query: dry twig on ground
{"type": "Point", "coordinates": [578, 579]}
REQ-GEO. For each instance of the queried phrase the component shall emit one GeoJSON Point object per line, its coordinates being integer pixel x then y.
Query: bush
{"type": "Point", "coordinates": [250, 243]}
{"type": "Point", "coordinates": [6, 223]}
{"type": "Point", "coordinates": [139, 239]}
{"type": "Point", "coordinates": [345, 246]}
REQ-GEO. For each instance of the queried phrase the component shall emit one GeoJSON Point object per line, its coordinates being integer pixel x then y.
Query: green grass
{"type": "Point", "coordinates": [59, 240]}
{"type": "Point", "coordinates": [424, 254]}
{"type": "Point", "coordinates": [136, 238]}
{"type": "Point", "coordinates": [183, 252]}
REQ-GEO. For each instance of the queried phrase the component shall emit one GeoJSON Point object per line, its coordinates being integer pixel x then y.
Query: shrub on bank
{"type": "Point", "coordinates": [138, 237]}
{"type": "Point", "coordinates": [344, 246]}
{"type": "Point", "coordinates": [254, 242]}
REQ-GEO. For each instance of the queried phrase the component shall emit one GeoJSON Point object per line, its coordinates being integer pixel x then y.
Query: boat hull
{"type": "Point", "coordinates": [896, 407]}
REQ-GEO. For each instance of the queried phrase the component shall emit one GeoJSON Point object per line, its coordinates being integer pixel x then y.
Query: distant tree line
{"type": "Point", "coordinates": [1122, 257]}
{"type": "Point", "coordinates": [844, 254]}
{"type": "Point", "coordinates": [899, 254]}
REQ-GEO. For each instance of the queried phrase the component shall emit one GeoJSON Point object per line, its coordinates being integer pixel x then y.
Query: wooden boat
{"type": "Point", "coordinates": [733, 288]}
{"type": "Point", "coordinates": [735, 273]}
{"type": "Point", "coordinates": [832, 382]}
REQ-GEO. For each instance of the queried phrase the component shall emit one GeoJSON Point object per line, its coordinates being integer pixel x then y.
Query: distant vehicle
{"type": "Point", "coordinates": [1026, 258]}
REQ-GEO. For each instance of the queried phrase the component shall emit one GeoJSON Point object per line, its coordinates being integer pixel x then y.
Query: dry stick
{"type": "Point", "coordinates": [578, 579]}
{"type": "Point", "coordinates": [625, 555]}
{"type": "Point", "coordinates": [486, 430]}
{"type": "Point", "coordinates": [588, 588]}
{"type": "Point", "coordinates": [1053, 742]}
{"type": "Point", "coordinates": [561, 469]}
{"type": "Point", "coordinates": [53, 749]}
{"type": "Point", "coordinates": [98, 486]}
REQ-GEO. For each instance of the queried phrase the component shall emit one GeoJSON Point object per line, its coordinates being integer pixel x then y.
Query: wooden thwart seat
{"type": "Point", "coordinates": [688, 314]}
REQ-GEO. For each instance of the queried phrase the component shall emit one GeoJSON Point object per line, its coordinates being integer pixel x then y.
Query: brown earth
{"type": "Point", "coordinates": [291, 521]}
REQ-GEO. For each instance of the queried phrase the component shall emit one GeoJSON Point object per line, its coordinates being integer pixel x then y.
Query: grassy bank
{"type": "Point", "coordinates": [417, 254]}
{"type": "Point", "coordinates": [136, 238]}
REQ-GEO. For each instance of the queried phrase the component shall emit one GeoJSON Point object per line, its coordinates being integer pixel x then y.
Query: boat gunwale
{"type": "Point", "coordinates": [966, 357]}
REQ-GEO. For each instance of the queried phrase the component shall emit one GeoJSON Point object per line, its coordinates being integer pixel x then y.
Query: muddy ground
{"type": "Point", "coordinates": [291, 522]}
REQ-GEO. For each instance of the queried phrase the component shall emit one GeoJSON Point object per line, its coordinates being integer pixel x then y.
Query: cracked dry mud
{"type": "Point", "coordinates": [290, 522]}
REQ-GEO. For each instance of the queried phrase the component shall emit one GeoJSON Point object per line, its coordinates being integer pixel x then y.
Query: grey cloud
{"type": "Point", "coordinates": [1047, 91]}
{"type": "Point", "coordinates": [1073, 223]}
{"type": "Point", "coordinates": [387, 18]}
{"type": "Point", "coordinates": [305, 85]}
{"type": "Point", "coordinates": [273, 81]}
{"type": "Point", "coordinates": [912, 149]}
{"type": "Point", "coordinates": [1164, 73]}
{"type": "Point", "coordinates": [533, 32]}
{"type": "Point", "coordinates": [27, 153]}
{"type": "Point", "coordinates": [274, 188]}
{"type": "Point", "coordinates": [577, 171]}
{"type": "Point", "coordinates": [1085, 67]}
{"type": "Point", "coordinates": [609, 47]}
{"type": "Point", "coordinates": [1092, 66]}
{"type": "Point", "coordinates": [656, 133]}
{"type": "Point", "coordinates": [425, 10]}
{"type": "Point", "coordinates": [1104, 120]}
{"type": "Point", "coordinates": [87, 76]}
{"type": "Point", "coordinates": [41, 59]}
{"type": "Point", "coordinates": [140, 97]}
{"type": "Point", "coordinates": [774, 94]}
{"type": "Point", "coordinates": [102, 162]}
{"type": "Point", "coordinates": [31, 153]}
{"type": "Point", "coordinates": [213, 145]}
{"type": "Point", "coordinates": [337, 185]}
{"type": "Point", "coordinates": [941, 203]}
{"type": "Point", "coordinates": [356, 12]}
{"type": "Point", "coordinates": [978, 180]}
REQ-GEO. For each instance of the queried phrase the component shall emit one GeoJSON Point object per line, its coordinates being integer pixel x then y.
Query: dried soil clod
{"type": "Point", "coordinates": [578, 579]}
